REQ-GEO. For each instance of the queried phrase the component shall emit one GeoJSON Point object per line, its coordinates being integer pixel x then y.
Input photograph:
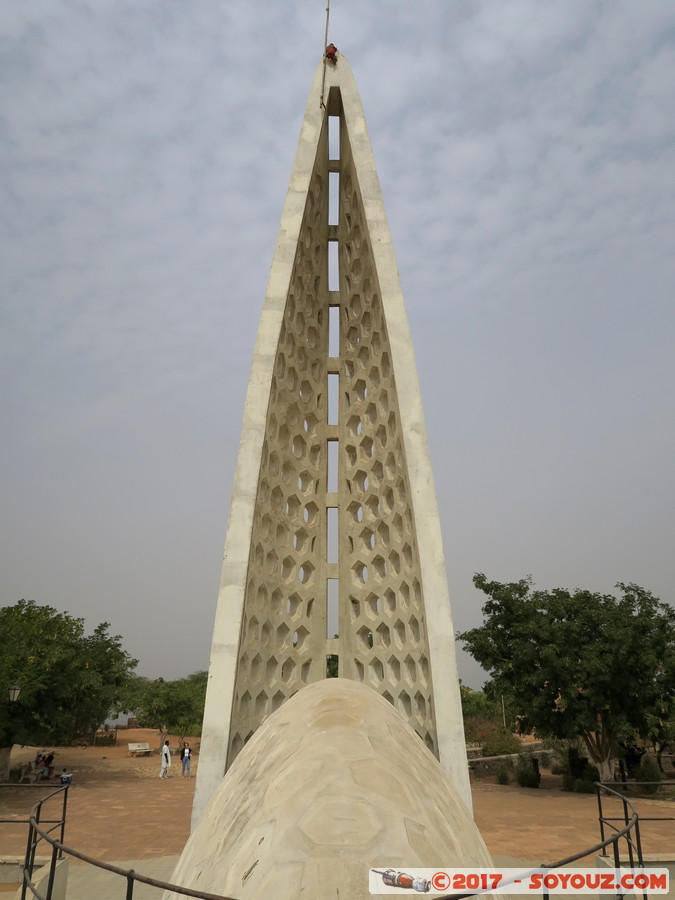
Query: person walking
{"type": "Point", "coordinates": [185, 756]}
{"type": "Point", "coordinates": [166, 761]}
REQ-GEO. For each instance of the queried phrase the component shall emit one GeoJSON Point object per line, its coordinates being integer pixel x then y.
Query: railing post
{"type": "Point", "coordinates": [130, 884]}
{"type": "Point", "coordinates": [617, 861]}
{"type": "Point", "coordinates": [63, 818]}
{"type": "Point", "coordinates": [601, 818]}
{"type": "Point", "coordinates": [52, 871]}
{"type": "Point", "coordinates": [27, 871]}
{"type": "Point", "coordinates": [629, 842]}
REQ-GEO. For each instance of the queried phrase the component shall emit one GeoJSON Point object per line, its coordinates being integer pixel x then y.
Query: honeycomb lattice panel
{"type": "Point", "coordinates": [282, 644]}
{"type": "Point", "coordinates": [381, 621]}
{"type": "Point", "coordinates": [382, 617]}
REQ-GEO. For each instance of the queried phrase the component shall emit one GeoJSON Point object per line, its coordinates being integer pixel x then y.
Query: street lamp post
{"type": "Point", "coordinates": [14, 692]}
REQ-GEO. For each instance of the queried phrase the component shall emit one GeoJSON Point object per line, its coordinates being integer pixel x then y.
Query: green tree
{"type": "Point", "coordinates": [170, 706]}
{"type": "Point", "coordinates": [578, 664]}
{"type": "Point", "coordinates": [70, 681]}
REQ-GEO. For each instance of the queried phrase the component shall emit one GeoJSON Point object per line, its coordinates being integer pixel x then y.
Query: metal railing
{"type": "Point", "coordinates": [627, 830]}
{"type": "Point", "coordinates": [630, 833]}
{"type": "Point", "coordinates": [37, 832]}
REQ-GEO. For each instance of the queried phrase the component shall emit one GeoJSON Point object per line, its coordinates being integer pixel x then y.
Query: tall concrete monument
{"type": "Point", "coordinates": [333, 556]}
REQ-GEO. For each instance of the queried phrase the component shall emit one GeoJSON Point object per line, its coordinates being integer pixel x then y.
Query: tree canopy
{"type": "Point", "coordinates": [176, 706]}
{"type": "Point", "coordinates": [579, 664]}
{"type": "Point", "coordinates": [70, 681]}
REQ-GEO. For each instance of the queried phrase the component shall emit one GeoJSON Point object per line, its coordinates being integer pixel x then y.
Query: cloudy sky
{"type": "Point", "coordinates": [526, 152]}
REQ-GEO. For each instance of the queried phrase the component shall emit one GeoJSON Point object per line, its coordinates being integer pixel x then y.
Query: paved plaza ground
{"type": "Point", "coordinates": [119, 810]}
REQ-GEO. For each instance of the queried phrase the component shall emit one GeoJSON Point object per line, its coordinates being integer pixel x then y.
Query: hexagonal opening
{"type": "Point", "coordinates": [353, 337]}
{"type": "Point", "coordinates": [286, 471]}
{"type": "Point", "coordinates": [374, 377]}
{"type": "Point", "coordinates": [389, 499]}
{"type": "Point", "coordinates": [306, 391]}
{"type": "Point", "coordinates": [298, 446]}
{"type": "Point", "coordinates": [277, 499]}
{"type": "Point", "coordinates": [377, 471]}
{"type": "Point", "coordinates": [354, 425]}
{"type": "Point", "coordinates": [381, 436]}
{"type": "Point", "coordinates": [287, 568]}
{"type": "Point", "coordinates": [361, 389]}
{"type": "Point", "coordinates": [371, 413]}
{"type": "Point", "coordinates": [350, 450]}
{"type": "Point", "coordinates": [265, 634]}
{"type": "Point", "coordinates": [395, 561]}
{"type": "Point", "coordinates": [300, 539]}
{"type": "Point", "coordinates": [311, 513]}
{"type": "Point", "coordinates": [355, 510]}
{"type": "Point", "coordinates": [252, 629]}
{"type": "Point", "coordinates": [404, 592]}
{"type": "Point", "coordinates": [277, 700]}
{"type": "Point", "coordinates": [385, 365]}
{"type": "Point", "coordinates": [394, 668]}
{"type": "Point", "coordinates": [397, 523]}
{"type": "Point", "coordinates": [367, 538]}
{"type": "Point", "coordinates": [305, 481]}
{"type": "Point", "coordinates": [383, 400]}
{"type": "Point", "coordinates": [310, 423]}
{"type": "Point", "coordinates": [360, 571]}
{"type": "Point", "coordinates": [361, 480]}
{"type": "Point", "coordinates": [367, 448]}
{"type": "Point", "coordinates": [365, 637]}
{"type": "Point", "coordinates": [390, 601]}
{"type": "Point", "coordinates": [300, 637]}
{"type": "Point", "coordinates": [288, 670]}
{"type": "Point", "coordinates": [424, 670]}
{"type": "Point", "coordinates": [280, 365]}
{"type": "Point", "coordinates": [406, 550]}
{"type": "Point", "coordinates": [363, 356]}
{"type": "Point", "coordinates": [383, 635]}
{"type": "Point", "coordinates": [375, 671]}
{"type": "Point", "coordinates": [373, 506]}
{"type": "Point", "coordinates": [245, 704]}
{"type": "Point", "coordinates": [410, 669]}
{"type": "Point", "coordinates": [420, 706]}
{"type": "Point", "coordinates": [260, 705]}
{"type": "Point", "coordinates": [271, 562]}
{"type": "Point", "coordinates": [380, 566]}
{"type": "Point", "coordinates": [392, 424]}
{"type": "Point", "coordinates": [276, 601]}
{"type": "Point", "coordinates": [256, 667]}
{"type": "Point", "coordinates": [271, 669]}
{"type": "Point", "coordinates": [305, 572]}
{"type": "Point", "coordinates": [283, 632]}
{"type": "Point", "coordinates": [405, 704]}
{"type": "Point", "coordinates": [399, 633]}
{"type": "Point", "coordinates": [293, 605]}
{"type": "Point", "coordinates": [373, 606]}
{"type": "Point", "coordinates": [355, 302]}
{"type": "Point", "coordinates": [354, 608]}
{"type": "Point", "coordinates": [415, 629]}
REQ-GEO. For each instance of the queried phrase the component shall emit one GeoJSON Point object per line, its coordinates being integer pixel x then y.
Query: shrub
{"type": "Point", "coordinates": [527, 772]}
{"type": "Point", "coordinates": [648, 770]}
{"type": "Point", "coordinates": [583, 786]}
{"type": "Point", "coordinates": [500, 743]}
{"type": "Point", "coordinates": [502, 775]}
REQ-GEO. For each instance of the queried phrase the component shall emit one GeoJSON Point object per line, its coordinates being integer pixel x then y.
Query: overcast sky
{"type": "Point", "coordinates": [526, 152]}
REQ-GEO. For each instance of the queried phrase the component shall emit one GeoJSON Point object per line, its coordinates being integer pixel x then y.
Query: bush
{"type": "Point", "coordinates": [500, 743]}
{"type": "Point", "coordinates": [527, 773]}
{"type": "Point", "coordinates": [583, 786]}
{"type": "Point", "coordinates": [648, 770]}
{"type": "Point", "coordinates": [503, 775]}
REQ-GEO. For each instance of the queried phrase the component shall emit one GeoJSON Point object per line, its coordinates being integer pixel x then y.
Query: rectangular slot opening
{"type": "Point", "coordinates": [333, 267]}
{"type": "Point", "coordinates": [333, 137]}
{"type": "Point", "coordinates": [332, 467]}
{"type": "Point", "coordinates": [333, 398]}
{"type": "Point", "coordinates": [331, 535]}
{"type": "Point", "coordinates": [333, 330]}
{"type": "Point", "coordinates": [332, 608]}
{"type": "Point", "coordinates": [333, 198]}
{"type": "Point", "coordinates": [332, 665]}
